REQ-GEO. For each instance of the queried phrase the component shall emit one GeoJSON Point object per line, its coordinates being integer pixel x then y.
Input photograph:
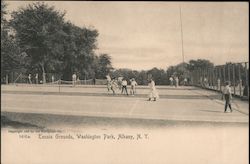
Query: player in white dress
{"type": "Point", "coordinates": [153, 94]}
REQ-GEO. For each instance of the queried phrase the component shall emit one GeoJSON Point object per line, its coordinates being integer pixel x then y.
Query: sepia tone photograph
{"type": "Point", "coordinates": [129, 82]}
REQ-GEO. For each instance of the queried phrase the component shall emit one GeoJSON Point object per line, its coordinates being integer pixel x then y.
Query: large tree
{"type": "Point", "coordinates": [37, 29]}
{"type": "Point", "coordinates": [11, 56]}
{"type": "Point", "coordinates": [53, 45]}
{"type": "Point", "coordinates": [79, 45]}
{"type": "Point", "coordinates": [103, 65]}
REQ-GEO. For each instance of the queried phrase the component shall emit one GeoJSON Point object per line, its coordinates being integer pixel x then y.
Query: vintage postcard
{"type": "Point", "coordinates": [129, 82]}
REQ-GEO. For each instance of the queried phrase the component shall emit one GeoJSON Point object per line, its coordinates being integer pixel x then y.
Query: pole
{"type": "Point", "coordinates": [228, 71]}
{"type": "Point", "coordinates": [220, 74]}
{"type": "Point", "coordinates": [182, 48]}
{"type": "Point", "coordinates": [215, 78]}
{"type": "Point", "coordinates": [234, 77]}
{"type": "Point", "coordinates": [240, 81]}
{"type": "Point", "coordinates": [224, 73]}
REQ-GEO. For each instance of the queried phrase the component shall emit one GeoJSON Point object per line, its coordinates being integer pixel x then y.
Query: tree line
{"type": "Point", "coordinates": [161, 76]}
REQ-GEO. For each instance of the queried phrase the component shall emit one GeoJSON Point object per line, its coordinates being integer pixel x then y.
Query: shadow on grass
{"type": "Point", "coordinates": [6, 122]}
{"type": "Point", "coordinates": [212, 111]}
{"type": "Point", "coordinates": [64, 122]}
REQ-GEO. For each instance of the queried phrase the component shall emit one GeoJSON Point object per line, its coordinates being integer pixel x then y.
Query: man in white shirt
{"type": "Point", "coordinates": [228, 97]}
{"type": "Point", "coordinates": [124, 86]}
{"type": "Point", "coordinates": [171, 81]}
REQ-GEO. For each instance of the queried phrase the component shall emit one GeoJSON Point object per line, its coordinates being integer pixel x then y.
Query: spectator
{"type": "Point", "coordinates": [185, 81]}
{"type": "Point", "coordinates": [218, 84]}
{"type": "Point", "coordinates": [171, 81]}
{"type": "Point", "coordinates": [29, 77]}
{"type": "Point", "coordinates": [74, 79]}
{"type": "Point", "coordinates": [36, 77]}
{"type": "Point", "coordinates": [52, 78]}
{"type": "Point", "coordinates": [176, 81]}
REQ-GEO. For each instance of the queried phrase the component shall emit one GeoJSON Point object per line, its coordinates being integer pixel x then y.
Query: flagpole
{"type": "Point", "coordinates": [182, 48]}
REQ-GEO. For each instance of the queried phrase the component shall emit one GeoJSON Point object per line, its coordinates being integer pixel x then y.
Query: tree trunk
{"type": "Point", "coordinates": [7, 79]}
{"type": "Point", "coordinates": [44, 74]}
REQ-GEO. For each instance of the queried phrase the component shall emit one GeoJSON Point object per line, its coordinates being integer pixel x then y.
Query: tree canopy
{"type": "Point", "coordinates": [51, 44]}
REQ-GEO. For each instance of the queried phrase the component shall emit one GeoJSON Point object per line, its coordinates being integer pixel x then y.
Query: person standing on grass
{"type": "Point", "coordinates": [205, 82]}
{"type": "Point", "coordinates": [171, 81]}
{"type": "Point", "coordinates": [74, 79]}
{"type": "Point", "coordinates": [176, 81]}
{"type": "Point", "coordinates": [36, 78]}
{"type": "Point", "coordinates": [113, 85]}
{"type": "Point", "coordinates": [218, 84]}
{"type": "Point", "coordinates": [52, 79]}
{"type": "Point", "coordinates": [227, 94]}
{"type": "Point", "coordinates": [124, 86]}
{"type": "Point", "coordinates": [185, 81]}
{"type": "Point", "coordinates": [120, 82]}
{"type": "Point", "coordinates": [29, 77]}
{"type": "Point", "coordinates": [133, 84]}
{"type": "Point", "coordinates": [153, 94]}
{"type": "Point", "coordinates": [108, 82]}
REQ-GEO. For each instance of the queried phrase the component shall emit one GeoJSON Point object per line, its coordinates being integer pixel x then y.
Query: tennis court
{"type": "Point", "coordinates": [179, 104]}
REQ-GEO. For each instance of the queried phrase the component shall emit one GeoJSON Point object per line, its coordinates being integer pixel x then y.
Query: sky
{"type": "Point", "coordinates": [143, 35]}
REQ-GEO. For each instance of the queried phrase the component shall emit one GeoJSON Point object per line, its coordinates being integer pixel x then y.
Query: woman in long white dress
{"type": "Point", "coordinates": [108, 82]}
{"type": "Point", "coordinates": [153, 94]}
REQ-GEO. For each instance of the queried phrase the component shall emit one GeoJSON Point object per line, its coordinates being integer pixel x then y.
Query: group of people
{"type": "Point", "coordinates": [121, 83]}
{"type": "Point", "coordinates": [30, 79]}
{"type": "Point", "coordinates": [174, 81]}
{"type": "Point", "coordinates": [113, 84]}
